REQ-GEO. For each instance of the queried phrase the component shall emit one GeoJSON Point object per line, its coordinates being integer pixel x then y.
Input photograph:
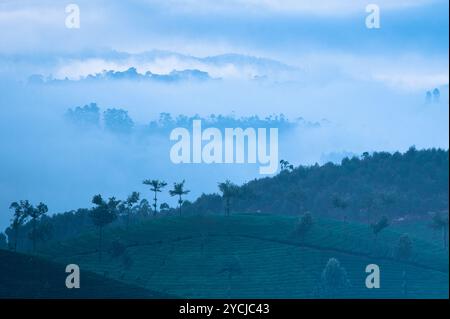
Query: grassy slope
{"type": "Point", "coordinates": [24, 276]}
{"type": "Point", "coordinates": [167, 256]}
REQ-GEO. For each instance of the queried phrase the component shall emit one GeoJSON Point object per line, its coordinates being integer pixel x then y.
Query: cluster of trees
{"type": "Point", "coordinates": [114, 120]}
{"type": "Point", "coordinates": [24, 211]}
{"type": "Point", "coordinates": [118, 121]}
{"type": "Point", "coordinates": [376, 188]}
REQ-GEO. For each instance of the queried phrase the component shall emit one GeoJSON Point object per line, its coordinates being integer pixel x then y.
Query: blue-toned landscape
{"type": "Point", "coordinates": [224, 149]}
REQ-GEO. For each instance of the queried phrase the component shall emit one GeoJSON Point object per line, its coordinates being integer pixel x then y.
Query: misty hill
{"type": "Point", "coordinates": [399, 186]}
{"type": "Point", "coordinates": [258, 256]}
{"type": "Point", "coordinates": [173, 67]}
{"type": "Point", "coordinates": [403, 187]}
{"type": "Point", "coordinates": [117, 120]}
{"type": "Point", "coordinates": [25, 276]}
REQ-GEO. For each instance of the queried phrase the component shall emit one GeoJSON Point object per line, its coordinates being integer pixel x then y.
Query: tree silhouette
{"type": "Point", "coordinates": [155, 186]}
{"type": "Point", "coordinates": [228, 190]}
{"type": "Point", "coordinates": [285, 166]}
{"type": "Point", "coordinates": [21, 213]}
{"type": "Point", "coordinates": [379, 226]}
{"type": "Point", "coordinates": [178, 190]}
{"type": "Point", "coordinates": [103, 214]}
{"type": "Point", "coordinates": [144, 209]}
{"type": "Point", "coordinates": [334, 279]}
{"type": "Point", "coordinates": [127, 206]}
{"type": "Point", "coordinates": [403, 251]}
{"type": "Point", "coordinates": [164, 207]}
{"type": "Point", "coordinates": [35, 213]}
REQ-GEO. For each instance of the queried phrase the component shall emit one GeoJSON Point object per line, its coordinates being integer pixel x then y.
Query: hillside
{"type": "Point", "coordinates": [363, 188]}
{"type": "Point", "coordinates": [256, 256]}
{"type": "Point", "coordinates": [400, 186]}
{"type": "Point", "coordinates": [24, 276]}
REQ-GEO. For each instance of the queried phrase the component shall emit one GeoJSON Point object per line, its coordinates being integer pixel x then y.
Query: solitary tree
{"type": "Point", "coordinates": [334, 279]}
{"type": "Point", "coordinates": [178, 190]}
{"type": "Point", "coordinates": [228, 190]}
{"type": "Point", "coordinates": [156, 187]}
{"type": "Point", "coordinates": [35, 213]}
{"type": "Point", "coordinates": [21, 213]}
{"type": "Point", "coordinates": [403, 251]}
{"type": "Point", "coordinates": [440, 222]}
{"type": "Point", "coordinates": [103, 214]}
{"type": "Point", "coordinates": [379, 226]}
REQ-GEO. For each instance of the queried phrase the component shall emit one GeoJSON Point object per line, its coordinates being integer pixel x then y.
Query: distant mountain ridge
{"type": "Point", "coordinates": [166, 66]}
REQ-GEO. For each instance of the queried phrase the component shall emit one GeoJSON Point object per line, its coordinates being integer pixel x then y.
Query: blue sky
{"type": "Point", "coordinates": [306, 34]}
{"type": "Point", "coordinates": [250, 26]}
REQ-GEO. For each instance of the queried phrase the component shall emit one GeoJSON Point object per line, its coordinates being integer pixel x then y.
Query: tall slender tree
{"type": "Point", "coordinates": [178, 190]}
{"type": "Point", "coordinates": [103, 214]}
{"type": "Point", "coordinates": [403, 251]}
{"type": "Point", "coordinates": [228, 190]}
{"type": "Point", "coordinates": [35, 213]}
{"type": "Point", "coordinates": [21, 213]}
{"type": "Point", "coordinates": [156, 187]}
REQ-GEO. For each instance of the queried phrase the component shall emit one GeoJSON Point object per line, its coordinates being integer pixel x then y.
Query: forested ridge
{"type": "Point", "coordinates": [410, 185]}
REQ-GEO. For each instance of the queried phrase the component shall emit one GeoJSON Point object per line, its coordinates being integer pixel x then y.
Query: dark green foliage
{"type": "Point", "coordinates": [228, 190]}
{"type": "Point", "coordinates": [178, 190]}
{"type": "Point", "coordinates": [285, 166]}
{"type": "Point", "coordinates": [103, 214]}
{"type": "Point", "coordinates": [380, 225]}
{"type": "Point", "coordinates": [156, 187]}
{"type": "Point", "coordinates": [35, 213]}
{"type": "Point", "coordinates": [126, 207]}
{"type": "Point", "coordinates": [143, 209]}
{"type": "Point", "coordinates": [380, 184]}
{"type": "Point", "coordinates": [164, 208]}
{"type": "Point", "coordinates": [21, 213]}
{"type": "Point", "coordinates": [334, 280]}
